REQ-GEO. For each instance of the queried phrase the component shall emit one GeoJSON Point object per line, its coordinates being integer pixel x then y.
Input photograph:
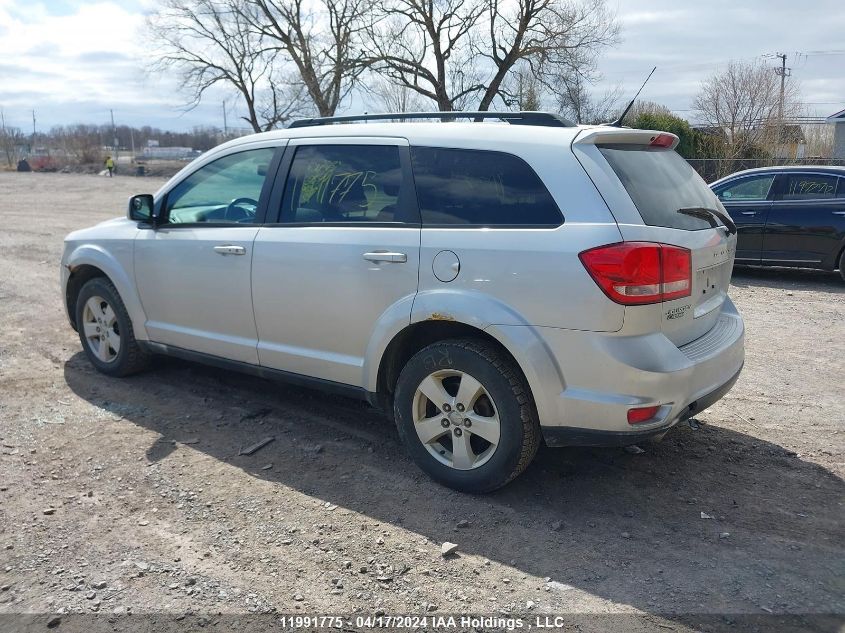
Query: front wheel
{"type": "Point", "coordinates": [105, 330]}
{"type": "Point", "coordinates": [842, 265]}
{"type": "Point", "coordinates": [465, 414]}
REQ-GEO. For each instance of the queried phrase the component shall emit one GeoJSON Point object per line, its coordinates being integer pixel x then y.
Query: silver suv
{"type": "Point", "coordinates": [488, 285]}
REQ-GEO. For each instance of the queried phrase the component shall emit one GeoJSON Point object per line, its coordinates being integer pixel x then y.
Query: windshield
{"type": "Point", "coordinates": [660, 182]}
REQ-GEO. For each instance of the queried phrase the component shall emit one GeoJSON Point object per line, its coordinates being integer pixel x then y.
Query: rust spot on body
{"type": "Point", "coordinates": [437, 316]}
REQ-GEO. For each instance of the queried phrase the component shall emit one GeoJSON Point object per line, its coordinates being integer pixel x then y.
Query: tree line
{"type": "Point", "coordinates": [86, 144]}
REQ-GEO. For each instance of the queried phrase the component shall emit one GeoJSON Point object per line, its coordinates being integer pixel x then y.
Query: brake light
{"type": "Point", "coordinates": [642, 414]}
{"type": "Point", "coordinates": [639, 273]}
{"type": "Point", "coordinates": [662, 140]}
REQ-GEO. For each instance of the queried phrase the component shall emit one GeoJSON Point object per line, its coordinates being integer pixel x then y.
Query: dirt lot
{"type": "Point", "coordinates": [129, 496]}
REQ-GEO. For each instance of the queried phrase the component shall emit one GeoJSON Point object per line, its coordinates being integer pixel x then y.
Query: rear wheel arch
{"type": "Point", "coordinates": [419, 335]}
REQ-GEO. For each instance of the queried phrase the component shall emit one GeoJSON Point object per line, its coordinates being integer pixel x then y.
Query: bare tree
{"type": "Point", "coordinates": [81, 143]}
{"type": "Point", "coordinates": [426, 47]}
{"type": "Point", "coordinates": [212, 43]}
{"type": "Point", "coordinates": [321, 39]}
{"type": "Point", "coordinates": [522, 90]}
{"type": "Point", "coordinates": [386, 96]}
{"type": "Point", "coordinates": [819, 137]}
{"type": "Point", "coordinates": [10, 139]}
{"type": "Point", "coordinates": [577, 101]}
{"type": "Point", "coordinates": [743, 99]}
{"type": "Point", "coordinates": [455, 52]}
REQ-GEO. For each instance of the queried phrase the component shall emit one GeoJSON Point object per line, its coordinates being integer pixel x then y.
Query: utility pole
{"type": "Point", "coordinates": [114, 137]}
{"type": "Point", "coordinates": [32, 144]}
{"type": "Point", "coordinates": [783, 72]}
{"type": "Point", "coordinates": [7, 144]}
{"type": "Point", "coordinates": [225, 124]}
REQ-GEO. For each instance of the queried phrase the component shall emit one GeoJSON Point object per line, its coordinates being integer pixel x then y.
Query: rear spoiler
{"type": "Point", "coordinates": [625, 136]}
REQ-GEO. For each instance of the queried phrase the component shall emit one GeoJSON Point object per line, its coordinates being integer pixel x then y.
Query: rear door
{"type": "Point", "coordinates": [645, 182]}
{"type": "Point", "coordinates": [805, 224]}
{"type": "Point", "coordinates": [340, 258]}
{"type": "Point", "coordinates": [748, 200]}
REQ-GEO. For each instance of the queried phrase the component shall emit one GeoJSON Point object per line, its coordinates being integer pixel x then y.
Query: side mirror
{"type": "Point", "coordinates": [141, 208]}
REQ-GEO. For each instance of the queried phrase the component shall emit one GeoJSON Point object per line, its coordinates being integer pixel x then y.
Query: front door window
{"type": "Point", "coordinates": [225, 191]}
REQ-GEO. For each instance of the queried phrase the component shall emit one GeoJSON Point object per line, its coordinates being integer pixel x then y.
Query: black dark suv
{"type": "Point", "coordinates": [787, 216]}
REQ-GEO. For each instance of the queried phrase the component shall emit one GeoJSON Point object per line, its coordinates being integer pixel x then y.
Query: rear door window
{"type": "Point", "coordinates": [808, 187]}
{"type": "Point", "coordinates": [343, 183]}
{"type": "Point", "coordinates": [660, 182]}
{"type": "Point", "coordinates": [457, 187]}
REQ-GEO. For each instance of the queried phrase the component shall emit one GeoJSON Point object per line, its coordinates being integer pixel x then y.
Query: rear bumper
{"type": "Point", "coordinates": [606, 374]}
{"type": "Point", "coordinates": [573, 436]}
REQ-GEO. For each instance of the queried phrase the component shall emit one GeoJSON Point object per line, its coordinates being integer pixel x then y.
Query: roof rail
{"type": "Point", "coordinates": [547, 119]}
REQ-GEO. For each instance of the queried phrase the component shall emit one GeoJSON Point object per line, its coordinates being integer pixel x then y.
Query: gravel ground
{"type": "Point", "coordinates": [130, 496]}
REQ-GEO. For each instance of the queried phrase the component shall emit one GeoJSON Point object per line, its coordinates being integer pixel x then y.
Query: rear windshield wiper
{"type": "Point", "coordinates": [710, 215]}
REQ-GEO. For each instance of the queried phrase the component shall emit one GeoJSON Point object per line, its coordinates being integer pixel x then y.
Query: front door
{"type": "Point", "coordinates": [805, 224]}
{"type": "Point", "coordinates": [341, 262]}
{"type": "Point", "coordinates": [748, 201]}
{"type": "Point", "coordinates": [193, 271]}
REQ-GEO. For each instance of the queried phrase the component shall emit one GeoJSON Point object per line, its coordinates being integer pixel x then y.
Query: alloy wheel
{"type": "Point", "coordinates": [101, 329]}
{"type": "Point", "coordinates": [456, 419]}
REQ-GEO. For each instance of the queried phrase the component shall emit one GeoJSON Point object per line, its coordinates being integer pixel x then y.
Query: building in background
{"type": "Point", "coordinates": [838, 122]}
{"type": "Point", "coordinates": [154, 151]}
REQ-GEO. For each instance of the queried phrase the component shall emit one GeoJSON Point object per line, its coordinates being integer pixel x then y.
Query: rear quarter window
{"type": "Point", "coordinates": [659, 182]}
{"type": "Point", "coordinates": [457, 187]}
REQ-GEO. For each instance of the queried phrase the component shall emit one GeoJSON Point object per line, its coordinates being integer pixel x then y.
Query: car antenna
{"type": "Point", "coordinates": [618, 122]}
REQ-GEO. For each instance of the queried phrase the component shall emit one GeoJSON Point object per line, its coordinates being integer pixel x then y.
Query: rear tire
{"type": "Point", "coordinates": [842, 265]}
{"type": "Point", "coordinates": [105, 330]}
{"type": "Point", "coordinates": [465, 415]}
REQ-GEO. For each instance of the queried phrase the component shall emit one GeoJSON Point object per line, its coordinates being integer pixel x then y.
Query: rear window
{"type": "Point", "coordinates": [660, 182]}
{"type": "Point", "coordinates": [458, 187]}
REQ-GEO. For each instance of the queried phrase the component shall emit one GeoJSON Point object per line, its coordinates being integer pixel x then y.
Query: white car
{"type": "Point", "coordinates": [488, 285]}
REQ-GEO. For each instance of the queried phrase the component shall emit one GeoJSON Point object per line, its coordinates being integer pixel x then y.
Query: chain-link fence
{"type": "Point", "coordinates": [714, 168]}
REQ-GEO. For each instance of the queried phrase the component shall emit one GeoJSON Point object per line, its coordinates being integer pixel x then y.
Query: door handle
{"type": "Point", "coordinates": [229, 249]}
{"type": "Point", "coordinates": [386, 256]}
{"type": "Point", "coordinates": [748, 212]}
{"type": "Point", "coordinates": [838, 212]}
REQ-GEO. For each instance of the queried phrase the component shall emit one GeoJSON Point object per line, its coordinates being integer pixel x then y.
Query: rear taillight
{"type": "Point", "coordinates": [637, 273]}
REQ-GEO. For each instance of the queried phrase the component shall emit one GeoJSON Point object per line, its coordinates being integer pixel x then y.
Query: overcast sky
{"type": "Point", "coordinates": [73, 60]}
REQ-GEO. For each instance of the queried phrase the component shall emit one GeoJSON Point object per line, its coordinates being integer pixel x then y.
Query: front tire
{"type": "Point", "coordinates": [105, 330]}
{"type": "Point", "coordinates": [842, 265]}
{"type": "Point", "coordinates": [465, 414]}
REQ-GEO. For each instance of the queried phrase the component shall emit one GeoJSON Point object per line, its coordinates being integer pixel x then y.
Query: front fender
{"type": "Point", "coordinates": [116, 264]}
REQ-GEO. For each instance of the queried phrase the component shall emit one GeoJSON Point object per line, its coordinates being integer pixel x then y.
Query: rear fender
{"type": "Point", "coordinates": [486, 314]}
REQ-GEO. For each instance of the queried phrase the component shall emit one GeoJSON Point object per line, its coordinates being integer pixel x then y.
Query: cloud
{"type": "Point", "coordinates": [689, 40]}
{"type": "Point", "coordinates": [60, 57]}
{"type": "Point", "coordinates": [73, 60]}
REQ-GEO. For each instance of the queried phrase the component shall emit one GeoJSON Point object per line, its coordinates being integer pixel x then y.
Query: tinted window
{"type": "Point", "coordinates": [456, 186]}
{"type": "Point", "coordinates": [343, 183]}
{"type": "Point", "coordinates": [226, 190]}
{"type": "Point", "coordinates": [747, 189]}
{"type": "Point", "coordinates": [660, 182]}
{"type": "Point", "coordinates": [808, 187]}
